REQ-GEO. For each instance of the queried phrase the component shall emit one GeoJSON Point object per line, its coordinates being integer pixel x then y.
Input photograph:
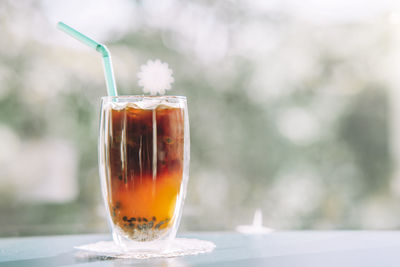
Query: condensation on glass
{"type": "Point", "coordinates": [144, 165]}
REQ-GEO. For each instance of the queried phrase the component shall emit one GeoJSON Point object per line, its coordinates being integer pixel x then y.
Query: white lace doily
{"type": "Point", "coordinates": [158, 249]}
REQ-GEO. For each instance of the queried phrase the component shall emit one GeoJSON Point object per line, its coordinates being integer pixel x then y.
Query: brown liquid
{"type": "Point", "coordinates": [145, 174]}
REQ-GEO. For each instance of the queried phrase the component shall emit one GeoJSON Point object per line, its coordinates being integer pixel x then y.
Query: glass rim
{"type": "Point", "coordinates": [144, 97]}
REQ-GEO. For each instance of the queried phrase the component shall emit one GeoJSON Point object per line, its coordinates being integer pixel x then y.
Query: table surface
{"type": "Point", "coordinates": [298, 248]}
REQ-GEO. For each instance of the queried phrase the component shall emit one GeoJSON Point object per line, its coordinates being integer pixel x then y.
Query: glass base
{"type": "Point", "coordinates": [150, 240]}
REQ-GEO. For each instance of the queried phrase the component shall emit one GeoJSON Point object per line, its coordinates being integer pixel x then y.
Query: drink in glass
{"type": "Point", "coordinates": [143, 161]}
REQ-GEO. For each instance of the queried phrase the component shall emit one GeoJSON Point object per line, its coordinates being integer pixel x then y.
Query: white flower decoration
{"type": "Point", "coordinates": [155, 77]}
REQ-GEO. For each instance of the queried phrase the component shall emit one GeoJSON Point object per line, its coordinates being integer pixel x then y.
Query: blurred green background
{"type": "Point", "coordinates": [294, 109]}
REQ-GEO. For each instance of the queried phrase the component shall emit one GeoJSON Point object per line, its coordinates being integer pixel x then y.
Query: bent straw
{"type": "Point", "coordinates": [108, 70]}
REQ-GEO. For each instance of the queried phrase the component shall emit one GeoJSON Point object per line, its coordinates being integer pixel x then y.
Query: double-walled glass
{"type": "Point", "coordinates": [144, 165]}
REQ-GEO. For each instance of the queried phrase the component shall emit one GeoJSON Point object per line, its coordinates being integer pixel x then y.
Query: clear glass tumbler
{"type": "Point", "coordinates": [144, 151]}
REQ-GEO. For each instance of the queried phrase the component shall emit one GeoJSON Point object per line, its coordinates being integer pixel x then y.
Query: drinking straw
{"type": "Point", "coordinates": [108, 69]}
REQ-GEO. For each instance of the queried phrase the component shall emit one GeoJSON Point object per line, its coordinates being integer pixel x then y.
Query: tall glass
{"type": "Point", "coordinates": [144, 165]}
